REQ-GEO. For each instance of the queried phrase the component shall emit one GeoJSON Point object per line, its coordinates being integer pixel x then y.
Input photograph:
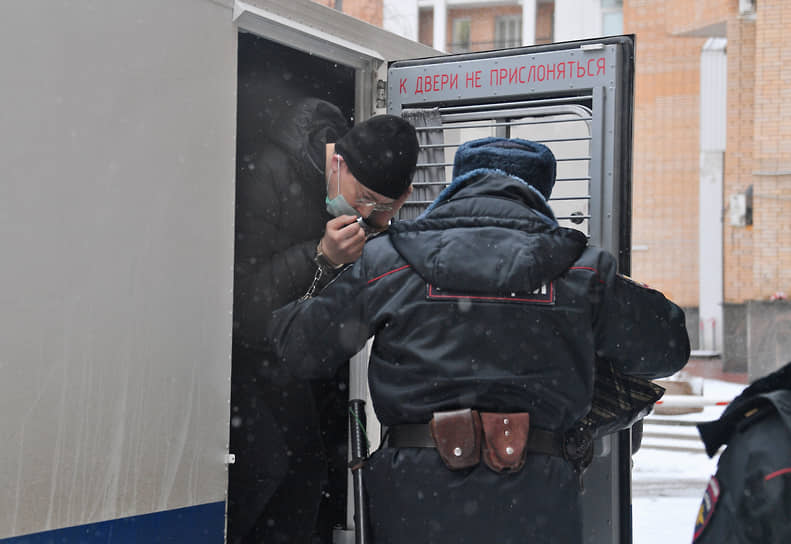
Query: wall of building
{"type": "Point", "coordinates": [738, 241]}
{"type": "Point", "coordinates": [545, 23]}
{"type": "Point", "coordinates": [771, 169]}
{"type": "Point", "coordinates": [666, 149]}
{"type": "Point", "coordinates": [425, 31]}
{"type": "Point", "coordinates": [684, 17]}
{"type": "Point", "coordinates": [370, 11]}
{"type": "Point", "coordinates": [758, 256]}
{"type": "Point", "coordinates": [483, 20]}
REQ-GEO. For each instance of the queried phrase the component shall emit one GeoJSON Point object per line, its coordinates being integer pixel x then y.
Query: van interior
{"type": "Point", "coordinates": [270, 76]}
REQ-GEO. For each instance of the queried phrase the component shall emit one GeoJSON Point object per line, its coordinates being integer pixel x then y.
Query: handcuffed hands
{"type": "Point", "coordinates": [343, 240]}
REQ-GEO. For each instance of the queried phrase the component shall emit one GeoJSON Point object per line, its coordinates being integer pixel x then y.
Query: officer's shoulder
{"type": "Point", "coordinates": [740, 417]}
{"type": "Point", "coordinates": [597, 260]}
{"type": "Point", "coordinates": [754, 411]}
{"type": "Point", "coordinates": [379, 251]}
{"type": "Point", "coordinates": [377, 245]}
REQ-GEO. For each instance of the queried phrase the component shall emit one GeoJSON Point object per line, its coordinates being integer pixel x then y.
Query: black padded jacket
{"type": "Point", "coordinates": [483, 302]}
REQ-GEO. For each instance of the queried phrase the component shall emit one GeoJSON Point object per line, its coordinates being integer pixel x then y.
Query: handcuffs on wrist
{"type": "Point", "coordinates": [324, 267]}
{"type": "Point", "coordinates": [324, 262]}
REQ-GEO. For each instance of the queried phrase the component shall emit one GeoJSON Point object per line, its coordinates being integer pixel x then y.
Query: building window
{"type": "Point", "coordinates": [545, 22]}
{"type": "Point", "coordinates": [611, 17]}
{"type": "Point", "coordinates": [425, 29]}
{"type": "Point", "coordinates": [461, 36]}
{"type": "Point", "coordinates": [508, 31]}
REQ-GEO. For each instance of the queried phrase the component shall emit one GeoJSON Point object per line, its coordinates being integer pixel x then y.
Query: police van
{"type": "Point", "coordinates": [118, 148]}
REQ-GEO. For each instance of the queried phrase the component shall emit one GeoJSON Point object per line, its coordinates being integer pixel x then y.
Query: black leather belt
{"type": "Point", "coordinates": [418, 435]}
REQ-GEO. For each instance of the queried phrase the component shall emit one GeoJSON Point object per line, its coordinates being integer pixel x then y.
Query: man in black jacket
{"type": "Point", "coordinates": [298, 200]}
{"type": "Point", "coordinates": [749, 498]}
{"type": "Point", "coordinates": [485, 313]}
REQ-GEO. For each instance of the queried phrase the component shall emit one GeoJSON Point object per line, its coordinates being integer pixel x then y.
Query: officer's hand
{"type": "Point", "coordinates": [343, 240]}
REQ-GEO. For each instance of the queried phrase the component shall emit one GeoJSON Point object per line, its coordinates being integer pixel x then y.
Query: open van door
{"type": "Point", "coordinates": [576, 98]}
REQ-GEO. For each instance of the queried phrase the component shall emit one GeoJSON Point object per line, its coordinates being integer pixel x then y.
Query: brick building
{"type": "Point", "coordinates": [712, 169]}
{"type": "Point", "coordinates": [370, 11]}
{"type": "Point", "coordinates": [712, 146]}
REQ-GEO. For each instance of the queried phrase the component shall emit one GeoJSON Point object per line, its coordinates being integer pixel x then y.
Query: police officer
{"type": "Point", "coordinates": [487, 318]}
{"type": "Point", "coordinates": [749, 497]}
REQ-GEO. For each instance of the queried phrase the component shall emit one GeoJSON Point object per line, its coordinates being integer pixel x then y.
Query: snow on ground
{"type": "Point", "coordinates": [667, 486]}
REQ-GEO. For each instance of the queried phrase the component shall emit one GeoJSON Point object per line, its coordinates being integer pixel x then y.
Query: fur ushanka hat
{"type": "Point", "coordinates": [529, 161]}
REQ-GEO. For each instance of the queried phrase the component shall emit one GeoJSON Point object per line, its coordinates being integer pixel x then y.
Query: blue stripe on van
{"type": "Point", "coordinates": [193, 524]}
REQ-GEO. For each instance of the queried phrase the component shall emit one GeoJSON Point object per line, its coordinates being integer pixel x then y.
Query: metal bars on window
{"type": "Point", "coordinates": [563, 125]}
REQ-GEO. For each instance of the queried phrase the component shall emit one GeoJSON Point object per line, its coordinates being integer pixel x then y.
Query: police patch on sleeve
{"type": "Point", "coordinates": [707, 506]}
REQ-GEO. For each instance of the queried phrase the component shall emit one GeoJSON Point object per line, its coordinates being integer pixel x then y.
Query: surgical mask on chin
{"type": "Point", "coordinates": [338, 205]}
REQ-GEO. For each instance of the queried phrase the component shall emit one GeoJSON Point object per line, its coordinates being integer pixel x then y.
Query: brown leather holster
{"type": "Point", "coordinates": [505, 440]}
{"type": "Point", "coordinates": [457, 435]}
{"type": "Point", "coordinates": [462, 436]}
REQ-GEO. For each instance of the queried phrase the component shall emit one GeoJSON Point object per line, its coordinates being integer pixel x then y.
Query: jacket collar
{"type": "Point", "coordinates": [494, 182]}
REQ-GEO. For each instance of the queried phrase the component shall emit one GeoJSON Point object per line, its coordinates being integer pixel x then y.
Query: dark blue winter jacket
{"type": "Point", "coordinates": [483, 302]}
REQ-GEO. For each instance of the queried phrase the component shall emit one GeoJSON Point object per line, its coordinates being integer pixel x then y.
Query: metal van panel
{"type": "Point", "coordinates": [496, 78]}
{"type": "Point", "coordinates": [116, 223]}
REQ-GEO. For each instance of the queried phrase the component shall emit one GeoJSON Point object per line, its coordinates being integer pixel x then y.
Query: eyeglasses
{"type": "Point", "coordinates": [373, 204]}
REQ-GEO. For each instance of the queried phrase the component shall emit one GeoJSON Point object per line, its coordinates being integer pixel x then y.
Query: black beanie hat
{"type": "Point", "coordinates": [531, 162]}
{"type": "Point", "coordinates": [381, 153]}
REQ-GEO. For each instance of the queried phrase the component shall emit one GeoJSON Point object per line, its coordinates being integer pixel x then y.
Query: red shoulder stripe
{"type": "Point", "coordinates": [388, 273]}
{"type": "Point", "coordinates": [777, 473]}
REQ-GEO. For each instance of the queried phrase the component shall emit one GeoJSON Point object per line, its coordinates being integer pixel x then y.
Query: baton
{"type": "Point", "coordinates": [359, 444]}
{"type": "Point", "coordinates": [358, 380]}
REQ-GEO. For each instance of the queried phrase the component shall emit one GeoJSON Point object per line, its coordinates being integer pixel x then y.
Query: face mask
{"type": "Point", "coordinates": [338, 206]}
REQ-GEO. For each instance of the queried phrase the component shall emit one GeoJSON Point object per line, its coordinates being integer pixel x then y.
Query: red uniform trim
{"type": "Point", "coordinates": [589, 269]}
{"type": "Point", "coordinates": [391, 272]}
{"type": "Point", "coordinates": [777, 473]}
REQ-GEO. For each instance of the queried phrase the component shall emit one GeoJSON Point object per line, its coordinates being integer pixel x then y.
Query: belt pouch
{"type": "Point", "coordinates": [505, 440]}
{"type": "Point", "coordinates": [457, 435]}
